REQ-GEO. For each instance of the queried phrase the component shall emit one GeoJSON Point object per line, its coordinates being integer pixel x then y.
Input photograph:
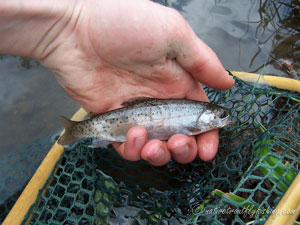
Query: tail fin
{"type": "Point", "coordinates": [67, 137]}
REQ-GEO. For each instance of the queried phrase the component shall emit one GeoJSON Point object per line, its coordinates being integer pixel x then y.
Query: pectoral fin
{"type": "Point", "coordinates": [194, 131]}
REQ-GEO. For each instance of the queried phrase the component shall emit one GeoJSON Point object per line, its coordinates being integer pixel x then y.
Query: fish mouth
{"type": "Point", "coordinates": [228, 122]}
{"type": "Point", "coordinates": [225, 118]}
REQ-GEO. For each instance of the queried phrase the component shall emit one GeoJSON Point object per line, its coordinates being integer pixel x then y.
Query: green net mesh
{"type": "Point", "coordinates": [258, 158]}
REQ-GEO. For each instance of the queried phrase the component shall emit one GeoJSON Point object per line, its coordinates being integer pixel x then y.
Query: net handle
{"type": "Point", "coordinates": [31, 191]}
{"type": "Point", "coordinates": [274, 81]}
{"type": "Point", "coordinates": [290, 201]}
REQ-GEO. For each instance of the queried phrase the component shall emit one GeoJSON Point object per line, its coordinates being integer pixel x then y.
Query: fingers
{"type": "Point", "coordinates": [205, 66]}
{"type": "Point", "coordinates": [182, 148]}
{"type": "Point", "coordinates": [136, 147]}
{"type": "Point", "coordinates": [135, 140]}
{"type": "Point", "coordinates": [208, 145]}
{"type": "Point", "coordinates": [197, 58]}
{"type": "Point", "coordinates": [156, 153]}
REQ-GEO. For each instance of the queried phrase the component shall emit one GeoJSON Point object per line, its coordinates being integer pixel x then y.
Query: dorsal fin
{"type": "Point", "coordinates": [135, 101]}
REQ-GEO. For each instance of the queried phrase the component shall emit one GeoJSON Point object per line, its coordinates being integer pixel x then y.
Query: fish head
{"type": "Point", "coordinates": [214, 117]}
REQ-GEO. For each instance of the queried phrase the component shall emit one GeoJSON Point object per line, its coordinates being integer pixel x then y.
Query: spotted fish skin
{"type": "Point", "coordinates": [162, 118]}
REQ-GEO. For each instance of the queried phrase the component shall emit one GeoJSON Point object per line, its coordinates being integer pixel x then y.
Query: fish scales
{"type": "Point", "coordinates": [162, 118]}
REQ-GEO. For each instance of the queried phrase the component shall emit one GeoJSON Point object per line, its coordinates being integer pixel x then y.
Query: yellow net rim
{"type": "Point", "coordinates": [274, 81]}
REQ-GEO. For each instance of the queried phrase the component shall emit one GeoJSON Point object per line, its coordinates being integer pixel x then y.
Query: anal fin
{"type": "Point", "coordinates": [97, 143]}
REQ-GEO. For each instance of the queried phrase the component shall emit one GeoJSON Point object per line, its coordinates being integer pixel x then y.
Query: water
{"type": "Point", "coordinates": [247, 36]}
{"type": "Point", "coordinates": [252, 36]}
{"type": "Point", "coordinates": [31, 102]}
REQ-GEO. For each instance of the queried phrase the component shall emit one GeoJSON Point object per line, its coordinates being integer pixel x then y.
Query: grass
{"type": "Point", "coordinates": [278, 173]}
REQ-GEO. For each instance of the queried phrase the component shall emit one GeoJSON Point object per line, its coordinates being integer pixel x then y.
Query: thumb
{"type": "Point", "coordinates": [199, 59]}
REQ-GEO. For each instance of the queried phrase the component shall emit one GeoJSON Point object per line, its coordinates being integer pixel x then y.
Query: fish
{"type": "Point", "coordinates": [162, 118]}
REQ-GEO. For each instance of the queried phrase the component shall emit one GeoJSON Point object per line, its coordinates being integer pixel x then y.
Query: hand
{"type": "Point", "coordinates": [107, 52]}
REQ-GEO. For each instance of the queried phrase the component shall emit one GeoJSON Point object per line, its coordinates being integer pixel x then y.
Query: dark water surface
{"type": "Point", "coordinates": [252, 36]}
{"type": "Point", "coordinates": [31, 102]}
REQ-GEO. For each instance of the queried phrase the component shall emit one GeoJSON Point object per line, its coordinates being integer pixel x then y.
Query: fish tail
{"type": "Point", "coordinates": [67, 137]}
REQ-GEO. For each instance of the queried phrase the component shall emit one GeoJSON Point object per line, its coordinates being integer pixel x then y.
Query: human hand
{"type": "Point", "coordinates": [106, 52]}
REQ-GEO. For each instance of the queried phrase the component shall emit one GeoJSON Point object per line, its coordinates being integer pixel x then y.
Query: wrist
{"type": "Point", "coordinates": [30, 28]}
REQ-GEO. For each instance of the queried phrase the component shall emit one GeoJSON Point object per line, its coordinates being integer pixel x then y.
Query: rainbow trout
{"type": "Point", "coordinates": [162, 118]}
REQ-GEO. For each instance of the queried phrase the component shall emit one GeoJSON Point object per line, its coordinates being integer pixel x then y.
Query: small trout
{"type": "Point", "coordinates": [162, 118]}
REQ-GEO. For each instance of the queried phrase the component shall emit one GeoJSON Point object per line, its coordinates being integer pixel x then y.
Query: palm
{"type": "Point", "coordinates": [121, 60]}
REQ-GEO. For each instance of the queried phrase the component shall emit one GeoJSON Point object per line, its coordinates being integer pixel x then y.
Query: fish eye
{"type": "Point", "coordinates": [223, 114]}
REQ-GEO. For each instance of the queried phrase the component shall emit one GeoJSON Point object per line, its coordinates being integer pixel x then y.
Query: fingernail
{"type": "Point", "coordinates": [181, 150]}
{"type": "Point", "coordinates": [139, 142]}
{"type": "Point", "coordinates": [156, 154]}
